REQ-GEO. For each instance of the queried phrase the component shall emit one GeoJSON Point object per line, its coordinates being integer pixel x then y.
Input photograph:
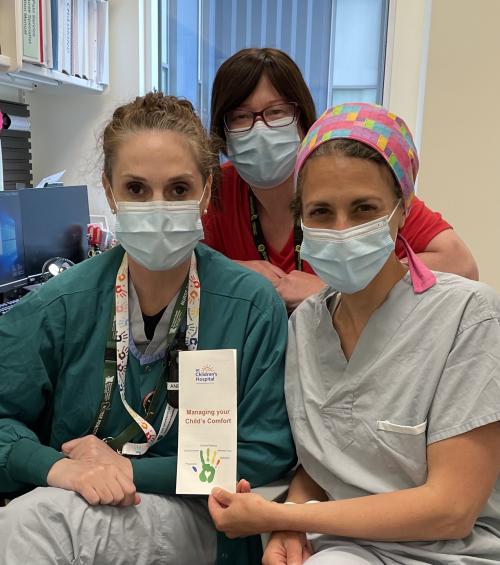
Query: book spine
{"type": "Point", "coordinates": [92, 40]}
{"type": "Point", "coordinates": [47, 33]}
{"type": "Point", "coordinates": [31, 31]}
{"type": "Point", "coordinates": [84, 44]}
{"type": "Point", "coordinates": [54, 15]}
{"type": "Point", "coordinates": [40, 24]}
{"type": "Point", "coordinates": [75, 64]}
{"type": "Point", "coordinates": [67, 38]}
{"type": "Point", "coordinates": [60, 34]}
{"type": "Point", "coordinates": [102, 42]}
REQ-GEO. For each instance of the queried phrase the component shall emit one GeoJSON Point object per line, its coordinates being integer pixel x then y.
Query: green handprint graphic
{"type": "Point", "coordinates": [208, 468]}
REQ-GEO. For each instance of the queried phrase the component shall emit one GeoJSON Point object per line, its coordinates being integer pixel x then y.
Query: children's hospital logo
{"type": "Point", "coordinates": [205, 374]}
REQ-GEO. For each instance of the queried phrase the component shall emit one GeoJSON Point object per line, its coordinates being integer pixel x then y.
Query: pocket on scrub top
{"type": "Point", "coordinates": [400, 429]}
{"type": "Point", "coordinates": [404, 450]}
{"type": "Point", "coordinates": [339, 425]}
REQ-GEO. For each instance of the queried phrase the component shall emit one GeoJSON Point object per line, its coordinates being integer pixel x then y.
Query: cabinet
{"type": "Point", "coordinates": [28, 76]}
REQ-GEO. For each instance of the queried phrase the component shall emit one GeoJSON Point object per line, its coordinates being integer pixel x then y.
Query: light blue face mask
{"type": "Point", "coordinates": [159, 235]}
{"type": "Point", "coordinates": [348, 260]}
{"type": "Point", "coordinates": [264, 157]}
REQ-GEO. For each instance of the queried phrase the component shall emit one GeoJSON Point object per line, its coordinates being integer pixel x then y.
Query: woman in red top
{"type": "Point", "coordinates": [261, 109]}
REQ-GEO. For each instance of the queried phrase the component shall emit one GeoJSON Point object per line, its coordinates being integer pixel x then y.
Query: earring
{"type": "Point", "coordinates": [205, 212]}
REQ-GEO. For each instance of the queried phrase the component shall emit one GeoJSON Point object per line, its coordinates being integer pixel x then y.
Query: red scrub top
{"type": "Point", "coordinates": [228, 230]}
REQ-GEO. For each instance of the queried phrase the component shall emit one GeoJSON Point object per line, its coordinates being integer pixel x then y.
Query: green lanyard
{"type": "Point", "coordinates": [258, 235]}
{"type": "Point", "coordinates": [109, 373]}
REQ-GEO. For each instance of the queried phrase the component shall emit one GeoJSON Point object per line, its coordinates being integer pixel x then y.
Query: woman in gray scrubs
{"type": "Point", "coordinates": [393, 378]}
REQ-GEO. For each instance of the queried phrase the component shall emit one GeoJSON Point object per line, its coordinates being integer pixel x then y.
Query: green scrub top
{"type": "Point", "coordinates": [51, 377]}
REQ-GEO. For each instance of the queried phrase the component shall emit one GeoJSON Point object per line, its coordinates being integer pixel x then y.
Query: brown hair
{"type": "Point", "coordinates": [237, 78]}
{"type": "Point", "coordinates": [156, 111]}
{"type": "Point", "coordinates": [346, 148]}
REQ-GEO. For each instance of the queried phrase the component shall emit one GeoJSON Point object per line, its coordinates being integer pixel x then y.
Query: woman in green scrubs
{"type": "Point", "coordinates": [84, 414]}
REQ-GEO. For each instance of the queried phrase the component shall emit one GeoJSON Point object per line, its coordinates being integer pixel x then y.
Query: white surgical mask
{"type": "Point", "coordinates": [348, 260]}
{"type": "Point", "coordinates": [159, 235]}
{"type": "Point", "coordinates": [264, 157]}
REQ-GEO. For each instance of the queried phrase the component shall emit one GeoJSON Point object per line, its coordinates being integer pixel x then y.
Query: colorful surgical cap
{"type": "Point", "coordinates": [374, 126]}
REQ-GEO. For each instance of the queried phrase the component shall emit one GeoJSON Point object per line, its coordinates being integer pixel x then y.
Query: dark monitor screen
{"type": "Point", "coordinates": [12, 266]}
{"type": "Point", "coordinates": [54, 225]}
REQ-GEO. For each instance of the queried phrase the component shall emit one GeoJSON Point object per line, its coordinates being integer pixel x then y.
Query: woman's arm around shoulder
{"type": "Point", "coordinates": [436, 243]}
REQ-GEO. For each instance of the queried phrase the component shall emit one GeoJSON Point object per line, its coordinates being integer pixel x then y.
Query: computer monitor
{"type": "Point", "coordinates": [54, 225]}
{"type": "Point", "coordinates": [12, 265]}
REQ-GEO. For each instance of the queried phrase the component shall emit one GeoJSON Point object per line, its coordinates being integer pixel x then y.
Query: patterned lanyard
{"type": "Point", "coordinates": [188, 303]}
{"type": "Point", "coordinates": [258, 235]}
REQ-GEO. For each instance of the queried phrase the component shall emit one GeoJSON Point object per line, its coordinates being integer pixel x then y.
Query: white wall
{"type": "Point", "coordinates": [407, 59]}
{"type": "Point", "coordinates": [461, 140]}
{"type": "Point", "coordinates": [445, 82]}
{"type": "Point", "coordinates": [66, 126]}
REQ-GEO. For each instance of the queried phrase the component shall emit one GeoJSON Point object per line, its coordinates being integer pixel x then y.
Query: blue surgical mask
{"type": "Point", "coordinates": [348, 260]}
{"type": "Point", "coordinates": [264, 157]}
{"type": "Point", "coordinates": [159, 235]}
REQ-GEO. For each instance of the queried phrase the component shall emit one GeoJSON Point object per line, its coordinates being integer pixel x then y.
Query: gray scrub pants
{"type": "Point", "coordinates": [341, 552]}
{"type": "Point", "coordinates": [51, 526]}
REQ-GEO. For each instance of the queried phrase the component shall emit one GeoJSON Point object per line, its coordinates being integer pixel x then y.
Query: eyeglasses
{"type": "Point", "coordinates": [275, 116]}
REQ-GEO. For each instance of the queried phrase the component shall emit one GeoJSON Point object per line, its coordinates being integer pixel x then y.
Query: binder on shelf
{"type": "Point", "coordinates": [66, 30]}
{"type": "Point", "coordinates": [46, 27]}
{"type": "Point", "coordinates": [102, 42]}
{"type": "Point", "coordinates": [75, 22]}
{"type": "Point", "coordinates": [84, 47]}
{"type": "Point", "coordinates": [92, 40]}
{"type": "Point", "coordinates": [31, 30]}
{"type": "Point", "coordinates": [54, 24]}
{"type": "Point", "coordinates": [79, 35]}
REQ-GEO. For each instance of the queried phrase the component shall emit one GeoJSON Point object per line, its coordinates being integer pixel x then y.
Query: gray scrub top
{"type": "Point", "coordinates": [426, 368]}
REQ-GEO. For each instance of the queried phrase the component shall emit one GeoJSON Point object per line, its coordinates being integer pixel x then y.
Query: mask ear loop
{"type": "Point", "coordinates": [114, 200]}
{"type": "Point", "coordinates": [394, 211]}
{"type": "Point", "coordinates": [201, 199]}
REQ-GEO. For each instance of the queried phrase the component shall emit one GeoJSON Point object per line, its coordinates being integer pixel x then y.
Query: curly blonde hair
{"type": "Point", "coordinates": [157, 111]}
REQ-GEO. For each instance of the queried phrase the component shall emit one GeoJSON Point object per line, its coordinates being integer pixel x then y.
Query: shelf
{"type": "Point", "coordinates": [16, 73]}
{"type": "Point", "coordinates": [41, 78]}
